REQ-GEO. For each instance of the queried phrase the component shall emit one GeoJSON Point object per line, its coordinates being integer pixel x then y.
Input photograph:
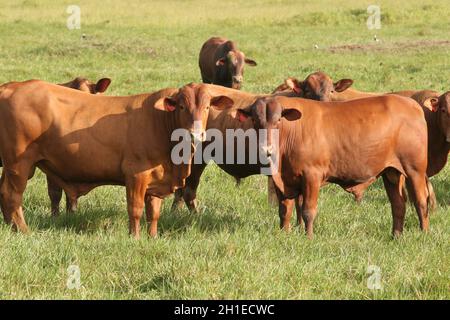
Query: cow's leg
{"type": "Point", "coordinates": [310, 193]}
{"type": "Point", "coordinates": [298, 208]}
{"type": "Point", "coordinates": [189, 192]}
{"type": "Point", "coordinates": [177, 199]}
{"type": "Point", "coordinates": [152, 211]}
{"type": "Point", "coordinates": [71, 202]}
{"type": "Point", "coordinates": [136, 187]}
{"type": "Point", "coordinates": [432, 195]}
{"type": "Point", "coordinates": [14, 181]}
{"type": "Point", "coordinates": [394, 190]}
{"type": "Point", "coordinates": [418, 185]}
{"type": "Point", "coordinates": [272, 196]}
{"type": "Point", "coordinates": [285, 208]}
{"type": "Point", "coordinates": [32, 172]}
{"type": "Point", "coordinates": [55, 195]}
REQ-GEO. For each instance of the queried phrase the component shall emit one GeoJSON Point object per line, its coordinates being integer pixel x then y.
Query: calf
{"type": "Point", "coordinates": [222, 63]}
{"type": "Point", "coordinates": [82, 141]}
{"type": "Point", "coordinates": [343, 143]}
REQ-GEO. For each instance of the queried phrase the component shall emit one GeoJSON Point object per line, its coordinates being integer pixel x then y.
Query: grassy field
{"type": "Point", "coordinates": [233, 249]}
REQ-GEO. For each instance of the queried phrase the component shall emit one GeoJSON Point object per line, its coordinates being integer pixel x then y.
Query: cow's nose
{"type": "Point", "coordinates": [237, 79]}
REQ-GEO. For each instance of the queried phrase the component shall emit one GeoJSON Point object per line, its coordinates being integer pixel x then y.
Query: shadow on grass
{"type": "Point", "coordinates": [442, 191]}
{"type": "Point", "coordinates": [84, 221]}
{"type": "Point", "coordinates": [206, 221]}
{"type": "Point", "coordinates": [157, 283]}
{"type": "Point", "coordinates": [92, 220]}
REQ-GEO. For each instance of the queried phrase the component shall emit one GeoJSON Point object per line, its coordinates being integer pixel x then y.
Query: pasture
{"type": "Point", "coordinates": [233, 249]}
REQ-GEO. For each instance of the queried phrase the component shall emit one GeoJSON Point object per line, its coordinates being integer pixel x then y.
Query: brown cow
{"type": "Point", "coordinates": [437, 112]}
{"type": "Point", "coordinates": [317, 86]}
{"type": "Point", "coordinates": [85, 85]}
{"type": "Point", "coordinates": [438, 149]}
{"type": "Point", "coordinates": [55, 191]}
{"type": "Point", "coordinates": [222, 121]}
{"type": "Point", "coordinates": [343, 143]}
{"type": "Point", "coordinates": [82, 141]}
{"type": "Point", "coordinates": [435, 151]}
{"type": "Point", "coordinates": [222, 63]}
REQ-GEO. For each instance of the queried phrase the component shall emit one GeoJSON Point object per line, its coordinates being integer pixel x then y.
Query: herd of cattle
{"type": "Point", "coordinates": [328, 132]}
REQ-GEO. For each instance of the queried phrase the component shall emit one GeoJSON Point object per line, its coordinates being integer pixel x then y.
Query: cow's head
{"type": "Point", "coordinates": [316, 86]}
{"type": "Point", "coordinates": [234, 62]}
{"type": "Point", "coordinates": [192, 104]}
{"type": "Point", "coordinates": [266, 113]}
{"type": "Point", "coordinates": [85, 85]}
{"type": "Point", "coordinates": [441, 105]}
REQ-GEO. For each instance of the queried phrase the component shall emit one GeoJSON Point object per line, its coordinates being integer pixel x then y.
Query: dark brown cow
{"type": "Point", "coordinates": [343, 143]}
{"type": "Point", "coordinates": [317, 86]}
{"type": "Point", "coordinates": [222, 63]}
{"type": "Point", "coordinates": [437, 112]}
{"type": "Point", "coordinates": [82, 141]}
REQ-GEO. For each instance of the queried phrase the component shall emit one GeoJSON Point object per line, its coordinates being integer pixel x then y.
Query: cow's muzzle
{"type": "Point", "coordinates": [237, 79]}
{"type": "Point", "coordinates": [237, 82]}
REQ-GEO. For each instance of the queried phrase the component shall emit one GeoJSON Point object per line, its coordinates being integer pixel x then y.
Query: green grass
{"type": "Point", "coordinates": [233, 249]}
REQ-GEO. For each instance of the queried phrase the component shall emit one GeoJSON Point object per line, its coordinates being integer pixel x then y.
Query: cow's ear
{"type": "Point", "coordinates": [221, 61]}
{"type": "Point", "coordinates": [291, 114]}
{"type": "Point", "coordinates": [250, 62]}
{"type": "Point", "coordinates": [243, 115]}
{"type": "Point", "coordinates": [294, 85]}
{"type": "Point", "coordinates": [166, 104]}
{"type": "Point", "coordinates": [342, 85]}
{"type": "Point", "coordinates": [102, 84]}
{"type": "Point", "coordinates": [432, 104]}
{"type": "Point", "coordinates": [222, 102]}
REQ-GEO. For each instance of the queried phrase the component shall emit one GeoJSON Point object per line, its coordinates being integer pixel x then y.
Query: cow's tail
{"type": "Point", "coordinates": [271, 193]}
